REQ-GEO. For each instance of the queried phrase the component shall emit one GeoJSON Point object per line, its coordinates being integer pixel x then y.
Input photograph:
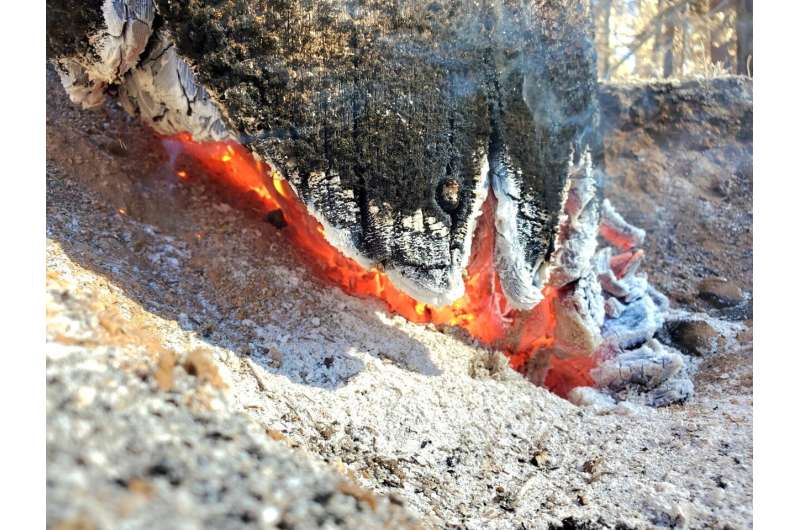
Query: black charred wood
{"type": "Point", "coordinates": [391, 118]}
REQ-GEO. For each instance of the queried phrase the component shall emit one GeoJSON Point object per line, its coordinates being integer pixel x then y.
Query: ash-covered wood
{"type": "Point", "coordinates": [371, 110]}
{"type": "Point", "coordinates": [94, 45]}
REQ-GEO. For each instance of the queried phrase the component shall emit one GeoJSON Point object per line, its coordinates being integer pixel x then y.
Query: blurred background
{"type": "Point", "coordinates": [646, 39]}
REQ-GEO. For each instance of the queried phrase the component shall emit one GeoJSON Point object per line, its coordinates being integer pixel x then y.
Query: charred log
{"type": "Point", "coordinates": [371, 112]}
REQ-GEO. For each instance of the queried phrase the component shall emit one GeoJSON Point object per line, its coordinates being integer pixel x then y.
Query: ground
{"type": "Point", "coordinates": [198, 375]}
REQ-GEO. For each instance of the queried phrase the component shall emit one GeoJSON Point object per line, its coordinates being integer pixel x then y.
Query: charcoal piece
{"type": "Point", "coordinates": [638, 322]}
{"type": "Point", "coordinates": [647, 366]}
{"type": "Point", "coordinates": [276, 219]}
{"type": "Point", "coordinates": [675, 390]}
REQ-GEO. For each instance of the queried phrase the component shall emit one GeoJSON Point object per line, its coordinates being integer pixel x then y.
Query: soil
{"type": "Point", "coordinates": [679, 158]}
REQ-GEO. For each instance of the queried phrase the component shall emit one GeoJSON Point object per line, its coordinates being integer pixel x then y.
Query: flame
{"type": "Point", "coordinates": [483, 310]}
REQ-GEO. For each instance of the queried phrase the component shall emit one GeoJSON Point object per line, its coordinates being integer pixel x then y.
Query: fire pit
{"type": "Point", "coordinates": [220, 356]}
{"type": "Point", "coordinates": [520, 275]}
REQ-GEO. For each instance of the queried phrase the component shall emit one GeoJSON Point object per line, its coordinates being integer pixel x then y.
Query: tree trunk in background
{"type": "Point", "coordinates": [604, 38]}
{"type": "Point", "coordinates": [657, 35]}
{"type": "Point", "coordinates": [642, 22]}
{"type": "Point", "coordinates": [721, 45]}
{"type": "Point", "coordinates": [701, 23]}
{"type": "Point", "coordinates": [744, 37]}
{"type": "Point", "coordinates": [669, 46]}
{"type": "Point", "coordinates": [687, 12]}
{"type": "Point", "coordinates": [719, 52]}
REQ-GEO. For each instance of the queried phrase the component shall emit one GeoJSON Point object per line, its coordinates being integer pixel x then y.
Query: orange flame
{"type": "Point", "coordinates": [483, 310]}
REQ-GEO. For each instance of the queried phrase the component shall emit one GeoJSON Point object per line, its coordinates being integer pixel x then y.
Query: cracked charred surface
{"type": "Point", "coordinates": [545, 119]}
{"type": "Point", "coordinates": [370, 110]}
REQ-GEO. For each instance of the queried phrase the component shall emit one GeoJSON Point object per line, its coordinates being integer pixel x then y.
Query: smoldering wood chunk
{"type": "Point", "coordinates": [368, 108]}
{"type": "Point", "coordinates": [163, 92]}
{"type": "Point", "coordinates": [102, 43]}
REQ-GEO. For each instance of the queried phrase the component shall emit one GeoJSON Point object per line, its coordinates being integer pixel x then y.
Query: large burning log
{"type": "Point", "coordinates": [398, 124]}
{"type": "Point", "coordinates": [389, 119]}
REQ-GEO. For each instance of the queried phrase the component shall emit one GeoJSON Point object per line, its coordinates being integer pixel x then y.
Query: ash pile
{"type": "Point", "coordinates": [612, 312]}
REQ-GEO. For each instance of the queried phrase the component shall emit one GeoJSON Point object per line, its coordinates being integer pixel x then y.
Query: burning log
{"type": "Point", "coordinates": [387, 131]}
{"type": "Point", "coordinates": [388, 120]}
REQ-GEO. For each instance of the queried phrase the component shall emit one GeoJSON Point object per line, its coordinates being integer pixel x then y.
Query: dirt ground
{"type": "Point", "coordinates": [198, 375]}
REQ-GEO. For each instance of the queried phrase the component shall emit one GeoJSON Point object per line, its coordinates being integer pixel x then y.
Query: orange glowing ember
{"type": "Point", "coordinates": [482, 311]}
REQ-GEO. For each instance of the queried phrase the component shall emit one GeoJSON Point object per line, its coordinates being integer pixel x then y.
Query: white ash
{"type": "Point", "coordinates": [614, 227]}
{"type": "Point", "coordinates": [576, 241]}
{"type": "Point", "coordinates": [629, 313]}
{"type": "Point", "coordinates": [163, 92]}
{"type": "Point", "coordinates": [635, 366]}
{"type": "Point", "coordinates": [81, 88]}
{"type": "Point", "coordinates": [527, 279]}
{"type": "Point", "coordinates": [115, 51]}
{"type": "Point", "coordinates": [620, 315]}
{"type": "Point", "coordinates": [639, 320]}
{"type": "Point", "coordinates": [570, 268]}
{"type": "Point", "coordinates": [648, 366]}
{"type": "Point", "coordinates": [586, 396]}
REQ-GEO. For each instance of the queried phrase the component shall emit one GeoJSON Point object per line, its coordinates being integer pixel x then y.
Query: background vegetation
{"type": "Point", "coordinates": [645, 39]}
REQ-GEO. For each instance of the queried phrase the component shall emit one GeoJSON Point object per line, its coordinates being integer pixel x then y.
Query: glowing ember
{"type": "Point", "coordinates": [482, 311]}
